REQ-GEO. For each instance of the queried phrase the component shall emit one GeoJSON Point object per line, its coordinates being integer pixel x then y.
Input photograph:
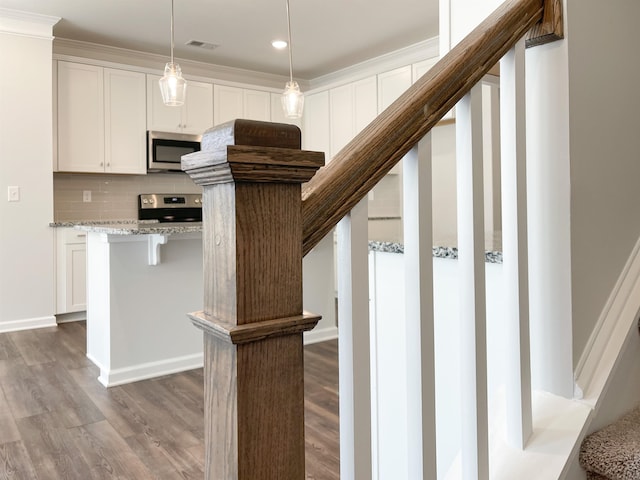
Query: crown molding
{"type": "Point", "coordinates": [154, 63]}
{"type": "Point", "coordinates": [15, 22]}
{"type": "Point", "coordinates": [74, 50]}
{"type": "Point", "coordinates": [398, 58]}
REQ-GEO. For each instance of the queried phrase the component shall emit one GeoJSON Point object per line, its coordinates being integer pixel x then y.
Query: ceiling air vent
{"type": "Point", "coordinates": [200, 44]}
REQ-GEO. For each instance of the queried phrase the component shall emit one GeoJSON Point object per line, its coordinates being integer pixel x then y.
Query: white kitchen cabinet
{"type": "Point", "coordinates": [71, 271]}
{"type": "Point", "coordinates": [419, 69]}
{"type": "Point", "coordinates": [80, 118]}
{"type": "Point", "coordinates": [125, 122]}
{"type": "Point", "coordinates": [316, 129]}
{"type": "Point", "coordinates": [101, 119]}
{"type": "Point", "coordinates": [352, 107]}
{"type": "Point", "coordinates": [194, 117]}
{"type": "Point", "coordinates": [391, 85]}
{"type": "Point", "coordinates": [277, 112]}
{"type": "Point", "coordinates": [230, 103]}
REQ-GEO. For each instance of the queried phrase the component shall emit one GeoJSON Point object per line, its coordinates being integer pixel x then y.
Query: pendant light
{"type": "Point", "coordinates": [292, 97]}
{"type": "Point", "coordinates": [172, 86]}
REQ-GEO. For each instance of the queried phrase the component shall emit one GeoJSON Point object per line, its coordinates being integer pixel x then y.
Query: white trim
{"type": "Point", "coordinates": [144, 371]}
{"type": "Point", "coordinates": [28, 324]}
{"type": "Point", "coordinates": [322, 335]}
{"type": "Point", "coordinates": [16, 22]}
{"type": "Point", "coordinates": [399, 58]}
{"type": "Point", "coordinates": [70, 317]}
{"type": "Point", "coordinates": [617, 320]}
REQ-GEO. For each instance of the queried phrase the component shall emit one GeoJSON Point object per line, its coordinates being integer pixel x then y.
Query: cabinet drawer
{"type": "Point", "coordinates": [71, 235]}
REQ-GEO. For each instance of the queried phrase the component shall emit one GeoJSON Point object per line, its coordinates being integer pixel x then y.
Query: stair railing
{"type": "Point", "coordinates": [258, 222]}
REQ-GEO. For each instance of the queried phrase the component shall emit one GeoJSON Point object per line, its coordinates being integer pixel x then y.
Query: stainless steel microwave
{"type": "Point", "coordinates": [165, 150]}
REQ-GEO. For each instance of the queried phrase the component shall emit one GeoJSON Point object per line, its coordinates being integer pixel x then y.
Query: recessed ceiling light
{"type": "Point", "coordinates": [200, 44]}
{"type": "Point", "coordinates": [279, 44]}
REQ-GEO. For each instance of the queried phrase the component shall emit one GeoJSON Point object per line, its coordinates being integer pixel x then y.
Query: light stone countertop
{"type": "Point", "coordinates": [153, 228]}
{"type": "Point", "coordinates": [438, 252]}
{"type": "Point", "coordinates": [150, 227]}
{"type": "Point", "coordinates": [131, 227]}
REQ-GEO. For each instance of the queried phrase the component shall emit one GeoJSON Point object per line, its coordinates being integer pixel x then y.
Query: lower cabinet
{"type": "Point", "coordinates": [71, 271]}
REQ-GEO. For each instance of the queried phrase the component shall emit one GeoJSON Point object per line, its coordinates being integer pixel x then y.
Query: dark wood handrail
{"type": "Point", "coordinates": [363, 162]}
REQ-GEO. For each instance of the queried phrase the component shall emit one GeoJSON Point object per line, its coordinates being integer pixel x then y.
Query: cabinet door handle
{"type": "Point", "coordinates": [81, 235]}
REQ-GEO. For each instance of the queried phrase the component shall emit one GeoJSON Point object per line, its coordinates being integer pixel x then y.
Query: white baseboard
{"type": "Point", "coordinates": [317, 336]}
{"type": "Point", "coordinates": [144, 371]}
{"type": "Point", "coordinates": [27, 324]}
{"type": "Point", "coordinates": [71, 317]}
{"type": "Point", "coordinates": [617, 321]}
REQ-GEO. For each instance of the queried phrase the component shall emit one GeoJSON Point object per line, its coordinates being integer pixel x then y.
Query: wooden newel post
{"type": "Point", "coordinates": [251, 173]}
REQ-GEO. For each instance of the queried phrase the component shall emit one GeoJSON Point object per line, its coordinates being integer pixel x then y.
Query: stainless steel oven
{"type": "Point", "coordinates": [165, 150]}
{"type": "Point", "coordinates": [170, 207]}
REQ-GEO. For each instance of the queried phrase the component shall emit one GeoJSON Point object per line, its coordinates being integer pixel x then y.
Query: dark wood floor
{"type": "Point", "coordinates": [58, 422]}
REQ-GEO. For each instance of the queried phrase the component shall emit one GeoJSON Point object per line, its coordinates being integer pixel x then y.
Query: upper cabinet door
{"type": "Point", "coordinates": [125, 121]}
{"type": "Point", "coordinates": [353, 107]}
{"type": "Point", "coordinates": [228, 103]}
{"type": "Point", "coordinates": [316, 125]}
{"type": "Point", "coordinates": [257, 105]}
{"type": "Point", "coordinates": [195, 116]}
{"type": "Point", "coordinates": [365, 103]}
{"type": "Point", "coordinates": [277, 112]}
{"type": "Point", "coordinates": [341, 117]}
{"type": "Point", "coordinates": [160, 117]}
{"type": "Point", "coordinates": [391, 85]}
{"type": "Point", "coordinates": [80, 118]}
{"type": "Point", "coordinates": [198, 114]}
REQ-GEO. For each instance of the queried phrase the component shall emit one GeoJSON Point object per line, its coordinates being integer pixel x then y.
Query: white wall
{"type": "Point", "coordinates": [26, 240]}
{"type": "Point", "coordinates": [604, 101]}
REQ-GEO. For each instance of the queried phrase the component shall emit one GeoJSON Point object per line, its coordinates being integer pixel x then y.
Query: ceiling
{"type": "Point", "coordinates": [327, 34]}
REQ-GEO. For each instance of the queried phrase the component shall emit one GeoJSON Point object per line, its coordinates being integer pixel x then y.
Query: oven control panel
{"type": "Point", "coordinates": [169, 200]}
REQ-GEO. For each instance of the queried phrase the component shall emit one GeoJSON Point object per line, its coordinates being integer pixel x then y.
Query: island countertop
{"type": "Point", "coordinates": [142, 228]}
{"type": "Point", "coordinates": [130, 227]}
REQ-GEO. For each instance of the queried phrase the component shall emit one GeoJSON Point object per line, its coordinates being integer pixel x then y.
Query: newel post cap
{"type": "Point", "coordinates": [251, 151]}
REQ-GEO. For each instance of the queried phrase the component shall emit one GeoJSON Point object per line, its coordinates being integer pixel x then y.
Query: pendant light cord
{"type": "Point", "coordinates": [289, 32]}
{"type": "Point", "coordinates": [172, 32]}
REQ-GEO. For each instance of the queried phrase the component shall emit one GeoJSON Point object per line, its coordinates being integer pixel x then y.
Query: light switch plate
{"type": "Point", "coordinates": [13, 194]}
{"type": "Point", "coordinates": [86, 195]}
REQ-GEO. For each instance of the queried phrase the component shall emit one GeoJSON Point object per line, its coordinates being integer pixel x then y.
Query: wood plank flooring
{"type": "Point", "coordinates": [58, 422]}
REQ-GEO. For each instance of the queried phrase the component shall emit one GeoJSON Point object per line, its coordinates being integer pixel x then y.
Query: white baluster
{"type": "Point", "coordinates": [418, 261]}
{"type": "Point", "coordinates": [354, 345]}
{"type": "Point", "coordinates": [469, 153]}
{"type": "Point", "coordinates": [514, 243]}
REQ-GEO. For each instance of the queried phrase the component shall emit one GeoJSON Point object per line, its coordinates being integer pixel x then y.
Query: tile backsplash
{"type": "Point", "coordinates": [113, 197]}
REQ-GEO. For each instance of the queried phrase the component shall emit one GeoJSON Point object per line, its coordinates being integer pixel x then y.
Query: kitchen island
{"type": "Point", "coordinates": [142, 280]}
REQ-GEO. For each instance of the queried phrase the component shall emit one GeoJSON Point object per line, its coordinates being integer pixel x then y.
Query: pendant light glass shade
{"type": "Point", "coordinates": [292, 100]}
{"type": "Point", "coordinates": [292, 97]}
{"type": "Point", "coordinates": [172, 86]}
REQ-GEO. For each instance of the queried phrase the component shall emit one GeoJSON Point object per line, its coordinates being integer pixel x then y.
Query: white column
{"type": "Point", "coordinates": [475, 456]}
{"type": "Point", "coordinates": [418, 261]}
{"type": "Point", "coordinates": [354, 345]}
{"type": "Point", "coordinates": [514, 244]}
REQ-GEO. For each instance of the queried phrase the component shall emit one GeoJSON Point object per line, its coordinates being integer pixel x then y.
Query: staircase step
{"type": "Point", "coordinates": [613, 453]}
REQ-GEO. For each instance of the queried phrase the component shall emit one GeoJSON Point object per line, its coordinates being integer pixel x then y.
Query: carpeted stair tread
{"type": "Point", "coordinates": [613, 453]}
